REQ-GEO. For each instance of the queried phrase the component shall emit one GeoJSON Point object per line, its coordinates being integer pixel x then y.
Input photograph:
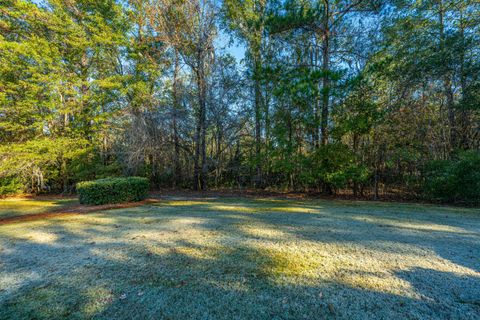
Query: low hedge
{"type": "Point", "coordinates": [113, 190]}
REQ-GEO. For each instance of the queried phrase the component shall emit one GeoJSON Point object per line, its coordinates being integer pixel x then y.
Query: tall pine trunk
{"type": "Point", "coordinates": [258, 116]}
{"type": "Point", "coordinates": [200, 165]}
{"type": "Point", "coordinates": [326, 76]}
{"type": "Point", "coordinates": [447, 80]}
{"type": "Point", "coordinates": [176, 105]}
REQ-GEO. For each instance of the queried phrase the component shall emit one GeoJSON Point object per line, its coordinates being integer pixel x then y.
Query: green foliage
{"type": "Point", "coordinates": [113, 190]}
{"type": "Point", "coordinates": [456, 180]}
{"type": "Point", "coordinates": [41, 165]}
{"type": "Point", "coordinates": [358, 114]}
{"type": "Point", "coordinates": [51, 165]}
{"type": "Point", "coordinates": [329, 92]}
{"type": "Point", "coordinates": [58, 89]}
{"type": "Point", "coordinates": [335, 167]}
{"type": "Point", "coordinates": [10, 185]}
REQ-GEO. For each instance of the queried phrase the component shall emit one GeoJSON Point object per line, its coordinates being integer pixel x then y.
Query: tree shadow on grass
{"type": "Point", "coordinates": [455, 238]}
{"type": "Point", "coordinates": [103, 268]}
{"type": "Point", "coordinates": [448, 293]}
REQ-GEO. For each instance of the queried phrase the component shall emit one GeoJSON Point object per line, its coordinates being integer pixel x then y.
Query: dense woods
{"type": "Point", "coordinates": [364, 97]}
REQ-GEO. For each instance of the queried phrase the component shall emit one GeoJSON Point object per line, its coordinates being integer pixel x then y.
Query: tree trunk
{"type": "Point", "coordinates": [266, 156]}
{"type": "Point", "coordinates": [218, 155]}
{"type": "Point", "coordinates": [326, 76]}
{"type": "Point", "coordinates": [451, 113]}
{"type": "Point", "coordinates": [355, 147]}
{"type": "Point", "coordinates": [64, 173]}
{"type": "Point", "coordinates": [200, 163]}
{"type": "Point", "coordinates": [203, 175]}
{"type": "Point", "coordinates": [176, 104]}
{"type": "Point", "coordinates": [197, 139]}
{"type": "Point", "coordinates": [257, 107]}
{"type": "Point", "coordinates": [465, 116]}
{"type": "Point", "coordinates": [447, 81]}
{"type": "Point", "coordinates": [316, 105]}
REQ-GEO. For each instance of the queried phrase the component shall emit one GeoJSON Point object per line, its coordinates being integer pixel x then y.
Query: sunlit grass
{"type": "Point", "coordinates": [411, 225]}
{"type": "Point", "coordinates": [177, 203]}
{"type": "Point", "coordinates": [235, 208]}
{"type": "Point", "coordinates": [18, 206]}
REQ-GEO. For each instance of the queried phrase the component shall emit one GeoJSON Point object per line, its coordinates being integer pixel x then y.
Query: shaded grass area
{"type": "Point", "coordinates": [12, 207]}
{"type": "Point", "coordinates": [235, 258]}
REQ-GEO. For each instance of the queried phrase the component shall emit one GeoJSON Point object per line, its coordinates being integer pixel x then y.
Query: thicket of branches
{"type": "Point", "coordinates": [369, 97]}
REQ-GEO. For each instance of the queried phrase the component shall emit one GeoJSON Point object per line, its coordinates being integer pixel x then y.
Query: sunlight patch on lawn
{"type": "Point", "coordinates": [260, 208]}
{"type": "Point", "coordinates": [31, 235]}
{"type": "Point", "coordinates": [272, 200]}
{"type": "Point", "coordinates": [9, 281]}
{"type": "Point", "coordinates": [182, 203]}
{"type": "Point", "coordinates": [295, 209]}
{"type": "Point", "coordinates": [432, 227]}
{"type": "Point", "coordinates": [379, 281]}
{"type": "Point", "coordinates": [116, 256]}
{"type": "Point", "coordinates": [97, 299]}
{"type": "Point", "coordinates": [235, 208]}
{"type": "Point", "coordinates": [278, 263]}
{"type": "Point", "coordinates": [203, 253]}
{"type": "Point", "coordinates": [17, 207]}
{"type": "Point", "coordinates": [40, 237]}
{"type": "Point", "coordinates": [263, 231]}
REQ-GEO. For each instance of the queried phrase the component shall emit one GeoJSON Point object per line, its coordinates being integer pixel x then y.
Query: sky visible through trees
{"type": "Point", "coordinates": [371, 98]}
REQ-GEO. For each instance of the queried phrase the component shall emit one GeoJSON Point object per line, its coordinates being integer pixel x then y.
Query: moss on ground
{"type": "Point", "coordinates": [244, 259]}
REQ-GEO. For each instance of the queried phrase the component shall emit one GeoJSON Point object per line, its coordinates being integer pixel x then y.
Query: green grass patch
{"type": "Point", "coordinates": [11, 207]}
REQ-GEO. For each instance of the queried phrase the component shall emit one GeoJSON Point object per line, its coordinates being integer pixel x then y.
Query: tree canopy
{"type": "Point", "coordinates": [363, 97]}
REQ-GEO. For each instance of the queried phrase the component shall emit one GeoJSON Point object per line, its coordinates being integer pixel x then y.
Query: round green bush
{"type": "Point", "coordinates": [113, 190]}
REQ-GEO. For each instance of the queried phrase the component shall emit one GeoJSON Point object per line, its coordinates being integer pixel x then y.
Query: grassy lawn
{"type": "Point", "coordinates": [11, 207]}
{"type": "Point", "coordinates": [242, 258]}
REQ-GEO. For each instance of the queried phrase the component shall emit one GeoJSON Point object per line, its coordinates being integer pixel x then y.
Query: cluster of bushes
{"type": "Point", "coordinates": [329, 168]}
{"type": "Point", "coordinates": [54, 166]}
{"type": "Point", "coordinates": [113, 190]}
{"type": "Point", "coordinates": [51, 165]}
{"type": "Point", "coordinates": [456, 180]}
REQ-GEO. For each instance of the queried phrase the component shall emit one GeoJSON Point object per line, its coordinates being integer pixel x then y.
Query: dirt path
{"type": "Point", "coordinates": [75, 209]}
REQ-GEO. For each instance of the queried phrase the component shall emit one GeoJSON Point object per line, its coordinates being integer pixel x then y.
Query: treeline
{"type": "Point", "coordinates": [365, 97]}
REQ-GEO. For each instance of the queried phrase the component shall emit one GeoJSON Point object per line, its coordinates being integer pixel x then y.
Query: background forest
{"type": "Point", "coordinates": [364, 97]}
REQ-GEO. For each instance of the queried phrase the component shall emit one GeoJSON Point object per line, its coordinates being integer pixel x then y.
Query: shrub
{"type": "Point", "coordinates": [10, 185]}
{"type": "Point", "coordinates": [113, 190]}
{"type": "Point", "coordinates": [335, 166]}
{"type": "Point", "coordinates": [456, 180]}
